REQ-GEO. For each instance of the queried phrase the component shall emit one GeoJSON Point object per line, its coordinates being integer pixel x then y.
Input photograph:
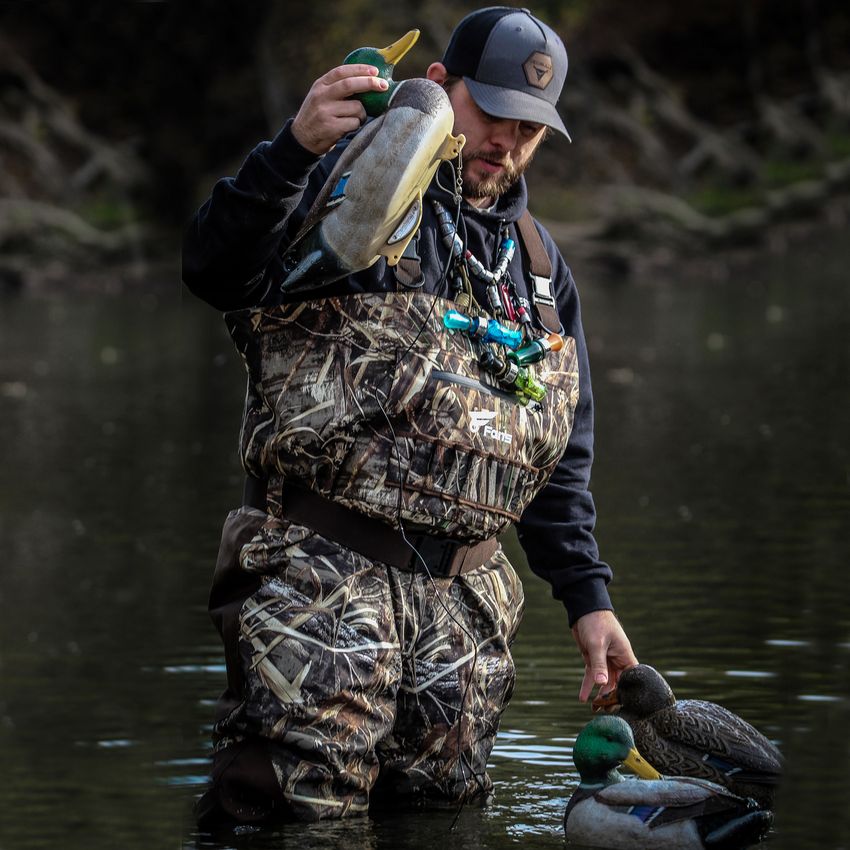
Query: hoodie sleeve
{"type": "Point", "coordinates": [556, 530]}
{"type": "Point", "coordinates": [233, 239]}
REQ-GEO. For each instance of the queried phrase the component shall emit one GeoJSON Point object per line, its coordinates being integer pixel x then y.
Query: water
{"type": "Point", "coordinates": [722, 487]}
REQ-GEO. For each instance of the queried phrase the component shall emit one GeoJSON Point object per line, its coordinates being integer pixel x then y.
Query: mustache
{"type": "Point", "coordinates": [494, 184]}
{"type": "Point", "coordinates": [503, 159]}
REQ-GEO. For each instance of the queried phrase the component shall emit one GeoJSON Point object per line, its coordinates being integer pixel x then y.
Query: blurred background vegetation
{"type": "Point", "coordinates": [694, 125]}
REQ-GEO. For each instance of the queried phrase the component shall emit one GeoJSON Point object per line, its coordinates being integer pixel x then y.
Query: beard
{"type": "Point", "coordinates": [493, 185]}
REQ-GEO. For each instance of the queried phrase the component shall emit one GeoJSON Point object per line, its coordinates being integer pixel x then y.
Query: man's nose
{"type": "Point", "coordinates": [504, 134]}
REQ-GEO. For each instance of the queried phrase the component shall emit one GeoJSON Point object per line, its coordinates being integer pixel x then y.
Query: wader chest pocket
{"type": "Point", "coordinates": [466, 450]}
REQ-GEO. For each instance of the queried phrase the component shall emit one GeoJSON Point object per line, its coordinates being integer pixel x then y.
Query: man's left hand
{"type": "Point", "coordinates": [606, 651]}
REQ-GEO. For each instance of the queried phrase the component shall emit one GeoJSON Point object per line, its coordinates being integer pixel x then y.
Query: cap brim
{"type": "Point", "coordinates": [515, 105]}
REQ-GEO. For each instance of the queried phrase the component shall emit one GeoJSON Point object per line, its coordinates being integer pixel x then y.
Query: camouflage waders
{"type": "Point", "coordinates": [348, 668]}
{"type": "Point", "coordinates": [348, 677]}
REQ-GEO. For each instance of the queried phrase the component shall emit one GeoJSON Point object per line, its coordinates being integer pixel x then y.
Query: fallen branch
{"type": "Point", "coordinates": [37, 227]}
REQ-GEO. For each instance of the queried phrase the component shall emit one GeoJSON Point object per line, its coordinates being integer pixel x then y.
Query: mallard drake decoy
{"type": "Point", "coordinates": [607, 810]}
{"type": "Point", "coordinates": [371, 203]}
{"type": "Point", "coordinates": [384, 59]}
{"type": "Point", "coordinates": [694, 737]}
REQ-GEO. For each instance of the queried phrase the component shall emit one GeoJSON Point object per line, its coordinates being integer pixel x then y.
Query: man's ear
{"type": "Point", "coordinates": [437, 73]}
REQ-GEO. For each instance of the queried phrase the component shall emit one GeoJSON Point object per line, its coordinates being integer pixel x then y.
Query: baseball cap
{"type": "Point", "coordinates": [513, 64]}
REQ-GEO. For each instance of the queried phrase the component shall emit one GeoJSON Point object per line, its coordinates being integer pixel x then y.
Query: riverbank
{"type": "Point", "coordinates": [592, 256]}
{"type": "Point", "coordinates": [658, 174]}
{"type": "Point", "coordinates": [645, 232]}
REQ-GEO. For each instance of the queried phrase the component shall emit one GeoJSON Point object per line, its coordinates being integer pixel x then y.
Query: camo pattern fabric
{"type": "Point", "coordinates": [360, 678]}
{"type": "Point", "coordinates": [371, 402]}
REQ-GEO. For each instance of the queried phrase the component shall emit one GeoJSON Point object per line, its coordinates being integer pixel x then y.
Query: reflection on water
{"type": "Point", "coordinates": [722, 486]}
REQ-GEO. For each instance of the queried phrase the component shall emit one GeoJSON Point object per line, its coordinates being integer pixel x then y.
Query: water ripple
{"type": "Point", "coordinates": [195, 668]}
{"type": "Point", "coordinates": [750, 674]}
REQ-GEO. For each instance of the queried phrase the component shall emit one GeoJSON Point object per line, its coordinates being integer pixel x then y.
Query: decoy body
{"type": "Point", "coordinates": [694, 737]}
{"type": "Point", "coordinates": [607, 810]}
{"type": "Point", "coordinates": [371, 204]}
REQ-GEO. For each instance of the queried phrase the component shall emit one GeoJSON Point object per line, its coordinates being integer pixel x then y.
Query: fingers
{"type": "Point", "coordinates": [352, 79]}
{"type": "Point", "coordinates": [606, 651]}
{"type": "Point", "coordinates": [342, 72]}
{"type": "Point", "coordinates": [586, 688]}
{"type": "Point", "coordinates": [595, 672]}
{"type": "Point", "coordinates": [328, 113]}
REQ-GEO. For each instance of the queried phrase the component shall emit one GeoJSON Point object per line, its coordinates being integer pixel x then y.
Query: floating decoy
{"type": "Point", "coordinates": [693, 737]}
{"type": "Point", "coordinates": [608, 810]}
{"type": "Point", "coordinates": [370, 206]}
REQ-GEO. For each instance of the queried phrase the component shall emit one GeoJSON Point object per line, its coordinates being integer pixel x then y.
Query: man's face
{"type": "Point", "coordinates": [497, 150]}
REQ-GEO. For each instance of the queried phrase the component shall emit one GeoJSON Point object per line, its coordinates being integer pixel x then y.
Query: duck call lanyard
{"type": "Point", "coordinates": [501, 300]}
{"type": "Point", "coordinates": [502, 296]}
{"type": "Point", "coordinates": [504, 301]}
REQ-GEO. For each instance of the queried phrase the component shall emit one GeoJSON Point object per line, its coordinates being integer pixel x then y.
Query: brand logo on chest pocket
{"type": "Point", "coordinates": [479, 423]}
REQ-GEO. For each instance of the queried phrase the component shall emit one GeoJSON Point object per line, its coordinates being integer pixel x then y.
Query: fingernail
{"type": "Point", "coordinates": [384, 84]}
{"type": "Point", "coordinates": [601, 679]}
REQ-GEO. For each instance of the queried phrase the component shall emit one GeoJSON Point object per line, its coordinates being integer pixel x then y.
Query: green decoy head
{"type": "Point", "coordinates": [602, 746]}
{"type": "Point", "coordinates": [384, 59]}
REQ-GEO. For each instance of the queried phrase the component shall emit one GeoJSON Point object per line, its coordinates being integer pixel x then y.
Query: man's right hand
{"type": "Point", "coordinates": [327, 114]}
{"type": "Point", "coordinates": [606, 651]}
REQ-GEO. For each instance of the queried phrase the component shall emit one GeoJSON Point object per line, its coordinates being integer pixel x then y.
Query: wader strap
{"type": "Point", "coordinates": [380, 542]}
{"type": "Point", "coordinates": [231, 587]}
{"type": "Point", "coordinates": [408, 270]}
{"type": "Point", "coordinates": [540, 273]}
{"type": "Point", "coordinates": [254, 492]}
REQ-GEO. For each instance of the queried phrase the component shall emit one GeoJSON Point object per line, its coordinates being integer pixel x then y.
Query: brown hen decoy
{"type": "Point", "coordinates": [692, 737]}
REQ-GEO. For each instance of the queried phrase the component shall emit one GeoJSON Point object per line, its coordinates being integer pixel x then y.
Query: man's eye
{"type": "Point", "coordinates": [529, 129]}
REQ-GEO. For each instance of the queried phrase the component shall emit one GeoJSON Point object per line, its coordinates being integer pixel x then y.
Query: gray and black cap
{"type": "Point", "coordinates": [513, 64]}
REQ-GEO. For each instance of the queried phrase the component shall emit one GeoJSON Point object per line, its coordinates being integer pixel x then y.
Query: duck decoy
{"type": "Point", "coordinates": [370, 206]}
{"type": "Point", "coordinates": [608, 810]}
{"type": "Point", "coordinates": [693, 737]}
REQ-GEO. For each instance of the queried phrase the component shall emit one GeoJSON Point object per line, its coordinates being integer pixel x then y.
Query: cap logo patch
{"type": "Point", "coordinates": [538, 70]}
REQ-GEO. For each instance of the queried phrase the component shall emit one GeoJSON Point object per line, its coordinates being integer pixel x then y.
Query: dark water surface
{"type": "Point", "coordinates": [722, 486]}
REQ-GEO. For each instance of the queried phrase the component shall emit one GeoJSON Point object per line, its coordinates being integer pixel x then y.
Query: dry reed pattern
{"type": "Point", "coordinates": [358, 396]}
{"type": "Point", "coordinates": [352, 667]}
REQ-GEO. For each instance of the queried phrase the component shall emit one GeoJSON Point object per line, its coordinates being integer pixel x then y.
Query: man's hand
{"type": "Point", "coordinates": [605, 648]}
{"type": "Point", "coordinates": [326, 114]}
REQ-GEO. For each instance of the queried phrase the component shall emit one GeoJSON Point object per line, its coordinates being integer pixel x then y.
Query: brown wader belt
{"type": "Point", "coordinates": [375, 539]}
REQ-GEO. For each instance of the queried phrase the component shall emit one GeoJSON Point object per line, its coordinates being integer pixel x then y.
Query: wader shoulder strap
{"type": "Point", "coordinates": [255, 492]}
{"type": "Point", "coordinates": [408, 270]}
{"type": "Point", "coordinates": [540, 273]}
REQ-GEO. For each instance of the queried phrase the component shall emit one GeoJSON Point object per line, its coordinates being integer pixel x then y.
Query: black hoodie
{"type": "Point", "coordinates": [232, 258]}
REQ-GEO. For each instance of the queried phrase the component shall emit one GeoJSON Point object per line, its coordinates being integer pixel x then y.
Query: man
{"type": "Point", "coordinates": [366, 609]}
